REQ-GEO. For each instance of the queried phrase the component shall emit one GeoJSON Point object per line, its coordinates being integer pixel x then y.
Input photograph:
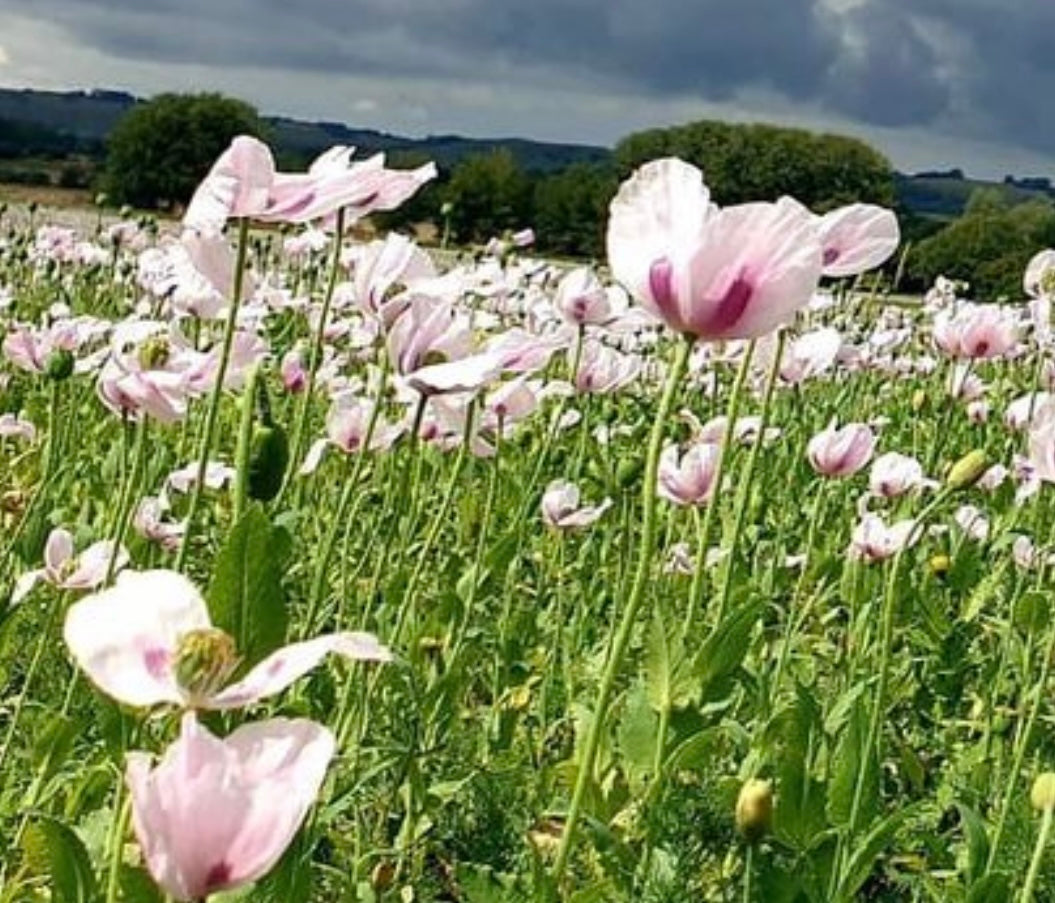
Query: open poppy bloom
{"type": "Point", "coordinates": [149, 641]}
{"type": "Point", "coordinates": [216, 814]}
{"type": "Point", "coordinates": [732, 273]}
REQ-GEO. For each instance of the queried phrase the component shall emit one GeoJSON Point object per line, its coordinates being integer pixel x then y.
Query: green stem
{"type": "Point", "coordinates": [1038, 856]}
{"type": "Point", "coordinates": [870, 750]}
{"type": "Point", "coordinates": [630, 612]}
{"type": "Point", "coordinates": [731, 415]}
{"type": "Point", "coordinates": [1022, 745]}
{"type": "Point", "coordinates": [744, 493]}
{"type": "Point", "coordinates": [115, 853]}
{"type": "Point", "coordinates": [217, 392]}
{"type": "Point", "coordinates": [300, 426]}
{"type": "Point", "coordinates": [245, 444]}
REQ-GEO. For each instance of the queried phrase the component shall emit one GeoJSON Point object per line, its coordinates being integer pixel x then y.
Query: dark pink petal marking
{"type": "Point", "coordinates": [661, 286]}
{"type": "Point", "coordinates": [218, 877]}
{"type": "Point", "coordinates": [156, 662]}
{"type": "Point", "coordinates": [730, 307]}
{"type": "Point", "coordinates": [831, 254]}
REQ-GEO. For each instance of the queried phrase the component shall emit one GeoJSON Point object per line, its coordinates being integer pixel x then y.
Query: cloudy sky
{"type": "Point", "coordinates": [932, 83]}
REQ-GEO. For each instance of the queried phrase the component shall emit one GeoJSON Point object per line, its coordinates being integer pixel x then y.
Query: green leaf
{"type": "Point", "coordinates": [721, 653]}
{"type": "Point", "coordinates": [800, 816]}
{"type": "Point", "coordinates": [58, 849]}
{"type": "Point", "coordinates": [657, 665]}
{"type": "Point", "coordinates": [995, 888]}
{"type": "Point", "coordinates": [868, 851]}
{"type": "Point", "coordinates": [977, 837]}
{"type": "Point", "coordinates": [636, 734]}
{"type": "Point", "coordinates": [51, 748]}
{"type": "Point", "coordinates": [847, 763]}
{"type": "Point", "coordinates": [245, 595]}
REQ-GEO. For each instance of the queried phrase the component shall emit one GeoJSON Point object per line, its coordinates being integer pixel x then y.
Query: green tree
{"type": "Point", "coordinates": [160, 150]}
{"type": "Point", "coordinates": [761, 162]}
{"type": "Point", "coordinates": [989, 247]}
{"type": "Point", "coordinates": [488, 194]}
{"type": "Point", "coordinates": [571, 209]}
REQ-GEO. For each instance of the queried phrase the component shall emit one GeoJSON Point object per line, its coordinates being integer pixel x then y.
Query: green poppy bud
{"type": "Point", "coordinates": [268, 460]}
{"type": "Point", "coordinates": [968, 470]}
{"type": "Point", "coordinates": [59, 365]}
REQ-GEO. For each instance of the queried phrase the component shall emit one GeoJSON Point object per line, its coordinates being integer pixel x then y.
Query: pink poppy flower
{"type": "Point", "coordinates": [65, 569]}
{"type": "Point", "coordinates": [14, 426]}
{"type": "Point", "coordinates": [810, 355]}
{"type": "Point", "coordinates": [1039, 278]}
{"type": "Point", "coordinates": [715, 274]}
{"type": "Point", "coordinates": [581, 299]}
{"type": "Point", "coordinates": [857, 238]}
{"type": "Point", "coordinates": [562, 509]}
{"type": "Point", "coordinates": [150, 523]}
{"type": "Point", "coordinates": [1041, 458]}
{"type": "Point", "coordinates": [977, 331]}
{"type": "Point", "coordinates": [134, 642]}
{"type": "Point", "coordinates": [603, 370]}
{"type": "Point", "coordinates": [973, 523]}
{"type": "Point", "coordinates": [293, 371]}
{"type": "Point", "coordinates": [873, 540]}
{"type": "Point", "coordinates": [346, 427]}
{"type": "Point", "coordinates": [894, 474]}
{"type": "Point", "coordinates": [690, 479]}
{"type": "Point", "coordinates": [841, 452]}
{"type": "Point", "coordinates": [213, 815]}
{"type": "Point", "coordinates": [243, 183]}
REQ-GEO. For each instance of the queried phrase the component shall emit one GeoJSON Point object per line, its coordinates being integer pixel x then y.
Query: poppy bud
{"type": "Point", "coordinates": [939, 565]}
{"type": "Point", "coordinates": [268, 460]}
{"type": "Point", "coordinates": [59, 365]}
{"type": "Point", "coordinates": [968, 470]}
{"type": "Point", "coordinates": [754, 809]}
{"type": "Point", "coordinates": [1043, 793]}
{"type": "Point", "coordinates": [919, 400]}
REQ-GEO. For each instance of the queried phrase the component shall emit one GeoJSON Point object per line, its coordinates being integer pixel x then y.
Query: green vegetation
{"type": "Point", "coordinates": [161, 150]}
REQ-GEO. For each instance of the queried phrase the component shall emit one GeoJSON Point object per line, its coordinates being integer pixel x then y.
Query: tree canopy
{"type": "Point", "coordinates": [160, 150]}
{"type": "Point", "coordinates": [752, 162]}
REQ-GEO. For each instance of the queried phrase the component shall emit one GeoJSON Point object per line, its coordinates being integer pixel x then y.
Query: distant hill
{"type": "Point", "coordinates": [945, 194]}
{"type": "Point", "coordinates": [86, 118]}
{"type": "Point", "coordinates": [74, 124]}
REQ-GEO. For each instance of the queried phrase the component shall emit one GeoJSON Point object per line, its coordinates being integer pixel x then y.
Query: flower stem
{"type": "Point", "coordinates": [301, 422]}
{"type": "Point", "coordinates": [744, 493]}
{"type": "Point", "coordinates": [1038, 856]}
{"type": "Point", "coordinates": [633, 605]}
{"type": "Point", "coordinates": [705, 533]}
{"type": "Point", "coordinates": [217, 392]}
{"type": "Point", "coordinates": [245, 443]}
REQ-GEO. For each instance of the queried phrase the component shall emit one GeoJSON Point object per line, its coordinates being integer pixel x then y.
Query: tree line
{"type": "Point", "coordinates": [160, 150]}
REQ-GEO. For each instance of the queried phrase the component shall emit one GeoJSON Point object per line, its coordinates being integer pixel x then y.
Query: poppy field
{"type": "Point", "coordinates": [714, 571]}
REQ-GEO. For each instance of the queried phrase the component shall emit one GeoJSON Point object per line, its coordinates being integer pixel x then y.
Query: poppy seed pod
{"type": "Point", "coordinates": [968, 470]}
{"type": "Point", "coordinates": [754, 809]}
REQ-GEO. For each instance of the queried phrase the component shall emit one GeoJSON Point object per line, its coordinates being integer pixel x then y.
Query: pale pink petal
{"type": "Point", "coordinates": [281, 668]}
{"type": "Point", "coordinates": [125, 638]}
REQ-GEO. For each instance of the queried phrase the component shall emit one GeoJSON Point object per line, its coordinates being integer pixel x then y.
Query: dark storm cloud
{"type": "Point", "coordinates": [975, 67]}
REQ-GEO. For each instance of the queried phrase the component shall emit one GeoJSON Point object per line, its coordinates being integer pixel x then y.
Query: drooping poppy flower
{"type": "Point", "coordinates": [215, 814]}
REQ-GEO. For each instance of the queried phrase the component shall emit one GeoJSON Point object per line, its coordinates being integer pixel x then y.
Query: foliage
{"type": "Point", "coordinates": [487, 194]}
{"type": "Point", "coordinates": [761, 162]}
{"type": "Point", "coordinates": [988, 247]}
{"type": "Point", "coordinates": [160, 150]}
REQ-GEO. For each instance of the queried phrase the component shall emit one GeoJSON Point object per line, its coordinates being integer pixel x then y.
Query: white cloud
{"type": "Point", "coordinates": [4, 58]}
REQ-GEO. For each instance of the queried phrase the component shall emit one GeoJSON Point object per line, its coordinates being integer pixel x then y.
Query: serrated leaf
{"type": "Point", "coordinates": [636, 735]}
{"type": "Point", "coordinates": [245, 595]}
{"type": "Point", "coordinates": [721, 653]}
{"type": "Point", "coordinates": [51, 844]}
